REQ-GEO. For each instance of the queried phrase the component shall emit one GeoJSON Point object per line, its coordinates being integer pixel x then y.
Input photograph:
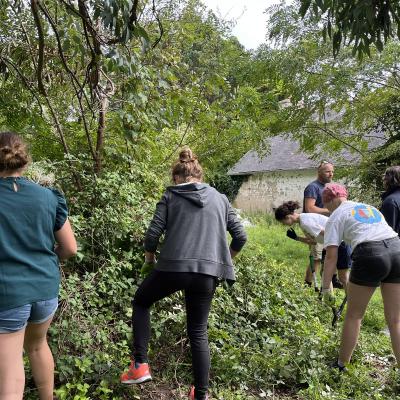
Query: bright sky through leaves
{"type": "Point", "coordinates": [250, 28]}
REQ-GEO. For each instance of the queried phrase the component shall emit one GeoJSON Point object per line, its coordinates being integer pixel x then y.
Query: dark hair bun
{"type": "Point", "coordinates": [286, 209]}
{"type": "Point", "coordinates": [13, 152]}
{"type": "Point", "coordinates": [6, 150]}
{"type": "Point", "coordinates": [186, 155]}
{"type": "Point", "coordinates": [292, 205]}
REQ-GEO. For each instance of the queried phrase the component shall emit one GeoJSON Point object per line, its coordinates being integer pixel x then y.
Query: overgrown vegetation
{"type": "Point", "coordinates": [105, 92]}
{"type": "Point", "coordinates": [268, 334]}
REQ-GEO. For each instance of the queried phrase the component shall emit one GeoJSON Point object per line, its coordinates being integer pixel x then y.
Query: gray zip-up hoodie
{"type": "Point", "coordinates": [195, 218]}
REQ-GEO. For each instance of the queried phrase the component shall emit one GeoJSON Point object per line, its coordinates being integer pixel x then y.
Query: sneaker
{"type": "Point", "coordinates": [137, 373]}
{"type": "Point", "coordinates": [191, 394]}
{"type": "Point", "coordinates": [337, 284]}
{"type": "Point", "coordinates": [338, 367]}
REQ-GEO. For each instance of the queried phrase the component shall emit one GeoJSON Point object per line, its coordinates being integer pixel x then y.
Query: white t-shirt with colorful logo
{"type": "Point", "coordinates": [356, 223]}
{"type": "Point", "coordinates": [312, 224]}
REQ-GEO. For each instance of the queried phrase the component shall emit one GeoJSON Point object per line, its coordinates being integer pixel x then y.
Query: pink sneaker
{"type": "Point", "coordinates": [191, 394]}
{"type": "Point", "coordinates": [137, 373]}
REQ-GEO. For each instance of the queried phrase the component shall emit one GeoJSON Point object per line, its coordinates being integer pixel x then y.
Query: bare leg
{"type": "Point", "coordinates": [358, 298]}
{"type": "Point", "coordinates": [309, 276]}
{"type": "Point", "coordinates": [12, 375]}
{"type": "Point", "coordinates": [40, 357]}
{"type": "Point", "coordinates": [317, 265]}
{"type": "Point", "coordinates": [391, 301]}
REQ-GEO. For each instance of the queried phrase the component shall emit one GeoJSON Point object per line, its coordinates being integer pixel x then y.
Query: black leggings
{"type": "Point", "coordinates": [199, 291]}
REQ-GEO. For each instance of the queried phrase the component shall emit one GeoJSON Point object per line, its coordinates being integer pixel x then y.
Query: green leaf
{"type": "Point", "coordinates": [77, 39]}
{"type": "Point", "coordinates": [305, 5]}
{"type": "Point", "coordinates": [141, 32]}
{"type": "Point", "coordinates": [66, 45]}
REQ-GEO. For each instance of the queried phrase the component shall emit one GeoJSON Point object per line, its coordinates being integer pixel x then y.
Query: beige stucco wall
{"type": "Point", "coordinates": [267, 190]}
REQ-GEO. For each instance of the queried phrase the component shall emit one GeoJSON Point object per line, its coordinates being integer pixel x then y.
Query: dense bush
{"type": "Point", "coordinates": [267, 332]}
{"type": "Point", "coordinates": [261, 332]}
{"type": "Point", "coordinates": [226, 184]}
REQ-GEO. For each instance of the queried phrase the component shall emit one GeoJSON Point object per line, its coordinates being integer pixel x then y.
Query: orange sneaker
{"type": "Point", "coordinates": [137, 373]}
{"type": "Point", "coordinates": [191, 394]}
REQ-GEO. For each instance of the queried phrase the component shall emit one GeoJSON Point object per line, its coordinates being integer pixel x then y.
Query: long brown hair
{"type": "Point", "coordinates": [392, 177]}
{"type": "Point", "coordinates": [13, 152]}
{"type": "Point", "coordinates": [187, 166]}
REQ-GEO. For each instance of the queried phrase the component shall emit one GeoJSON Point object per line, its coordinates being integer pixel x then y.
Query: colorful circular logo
{"type": "Point", "coordinates": [366, 214]}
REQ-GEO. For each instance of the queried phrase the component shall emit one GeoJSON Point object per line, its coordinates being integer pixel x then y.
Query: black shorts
{"type": "Point", "coordinates": [344, 256]}
{"type": "Point", "coordinates": [376, 262]}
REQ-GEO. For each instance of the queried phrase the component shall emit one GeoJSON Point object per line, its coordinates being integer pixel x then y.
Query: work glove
{"type": "Point", "coordinates": [290, 233]}
{"type": "Point", "coordinates": [147, 267]}
{"type": "Point", "coordinates": [328, 298]}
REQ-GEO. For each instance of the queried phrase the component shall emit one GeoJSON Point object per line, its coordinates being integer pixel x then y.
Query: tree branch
{"type": "Point", "coordinates": [160, 26]}
{"type": "Point", "coordinates": [179, 144]}
{"type": "Point", "coordinates": [24, 80]}
{"type": "Point", "coordinates": [74, 80]}
{"type": "Point", "coordinates": [133, 15]}
{"type": "Point", "coordinates": [331, 134]}
{"type": "Point", "coordinates": [38, 23]}
{"type": "Point", "coordinates": [63, 141]}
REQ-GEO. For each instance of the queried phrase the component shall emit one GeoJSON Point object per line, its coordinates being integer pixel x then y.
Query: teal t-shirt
{"type": "Point", "coordinates": [29, 216]}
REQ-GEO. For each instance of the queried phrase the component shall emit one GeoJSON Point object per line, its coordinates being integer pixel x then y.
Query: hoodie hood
{"type": "Point", "coordinates": [389, 192]}
{"type": "Point", "coordinates": [196, 193]}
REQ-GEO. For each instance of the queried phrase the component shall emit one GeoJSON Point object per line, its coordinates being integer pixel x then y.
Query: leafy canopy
{"type": "Point", "coordinates": [356, 23]}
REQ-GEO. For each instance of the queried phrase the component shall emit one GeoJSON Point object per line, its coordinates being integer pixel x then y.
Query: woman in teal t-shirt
{"type": "Point", "coordinates": [34, 234]}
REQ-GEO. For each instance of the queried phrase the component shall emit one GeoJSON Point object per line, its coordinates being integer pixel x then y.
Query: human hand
{"type": "Point", "coordinates": [291, 233]}
{"type": "Point", "coordinates": [147, 267]}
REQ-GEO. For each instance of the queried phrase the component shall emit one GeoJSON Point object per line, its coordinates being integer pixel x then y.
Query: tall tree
{"type": "Point", "coordinates": [158, 74]}
{"type": "Point", "coordinates": [337, 101]}
{"type": "Point", "coordinates": [356, 23]}
{"type": "Point", "coordinates": [60, 52]}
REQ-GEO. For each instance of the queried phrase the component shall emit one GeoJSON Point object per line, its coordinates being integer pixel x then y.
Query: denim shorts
{"type": "Point", "coordinates": [343, 256]}
{"type": "Point", "coordinates": [15, 319]}
{"type": "Point", "coordinates": [376, 262]}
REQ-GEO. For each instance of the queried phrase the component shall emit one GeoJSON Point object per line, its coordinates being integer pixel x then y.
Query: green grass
{"type": "Point", "coordinates": [370, 373]}
{"type": "Point", "coordinates": [270, 337]}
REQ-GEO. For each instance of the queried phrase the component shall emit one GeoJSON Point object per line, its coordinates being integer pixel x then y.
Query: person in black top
{"type": "Point", "coordinates": [391, 198]}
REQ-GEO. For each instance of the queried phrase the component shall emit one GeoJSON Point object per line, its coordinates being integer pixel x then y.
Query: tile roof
{"type": "Point", "coordinates": [285, 155]}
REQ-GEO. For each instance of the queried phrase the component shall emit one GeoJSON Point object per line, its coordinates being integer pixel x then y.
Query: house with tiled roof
{"type": "Point", "coordinates": [280, 175]}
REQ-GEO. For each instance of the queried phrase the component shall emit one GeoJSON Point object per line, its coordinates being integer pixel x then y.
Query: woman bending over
{"type": "Point", "coordinates": [313, 226]}
{"type": "Point", "coordinates": [376, 262]}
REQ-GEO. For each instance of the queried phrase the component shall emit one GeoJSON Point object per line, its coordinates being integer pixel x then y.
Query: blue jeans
{"type": "Point", "coordinates": [15, 319]}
